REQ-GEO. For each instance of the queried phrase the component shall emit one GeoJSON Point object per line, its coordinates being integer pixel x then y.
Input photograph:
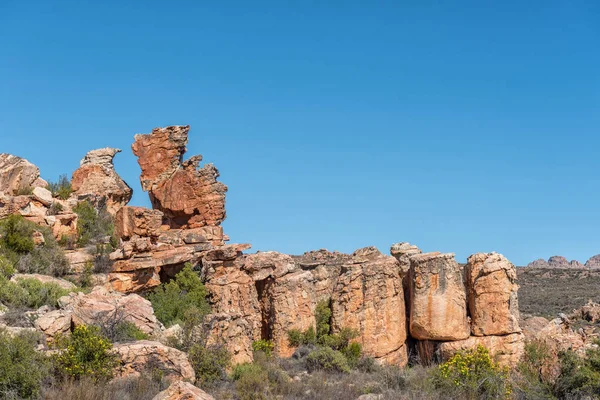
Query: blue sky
{"type": "Point", "coordinates": [459, 126]}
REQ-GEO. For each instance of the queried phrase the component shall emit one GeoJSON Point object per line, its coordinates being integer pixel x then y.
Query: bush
{"type": "Point", "coordinates": [93, 226]}
{"type": "Point", "coordinates": [209, 363]}
{"type": "Point", "coordinates": [61, 189]}
{"type": "Point", "coordinates": [266, 346]}
{"type": "Point", "coordinates": [533, 375]}
{"type": "Point", "coordinates": [16, 246]}
{"type": "Point", "coordinates": [85, 353]}
{"type": "Point", "coordinates": [171, 301]}
{"type": "Point", "coordinates": [579, 376]}
{"type": "Point", "coordinates": [473, 374]}
{"type": "Point", "coordinates": [55, 208]}
{"type": "Point", "coordinates": [22, 368]}
{"type": "Point", "coordinates": [6, 267]}
{"type": "Point", "coordinates": [251, 381]}
{"type": "Point", "coordinates": [30, 293]}
{"type": "Point", "coordinates": [325, 358]}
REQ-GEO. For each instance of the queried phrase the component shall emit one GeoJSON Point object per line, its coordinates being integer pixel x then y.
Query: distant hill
{"type": "Point", "coordinates": [560, 262]}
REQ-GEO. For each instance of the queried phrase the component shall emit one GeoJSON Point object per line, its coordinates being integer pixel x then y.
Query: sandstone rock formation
{"type": "Point", "coordinates": [100, 307]}
{"type": "Point", "coordinates": [438, 299]}
{"type": "Point", "coordinates": [151, 252]}
{"type": "Point", "coordinates": [18, 175]}
{"type": "Point", "coordinates": [560, 262]}
{"type": "Point", "coordinates": [492, 294]}
{"type": "Point", "coordinates": [146, 356]}
{"type": "Point", "coordinates": [97, 181]}
{"type": "Point", "coordinates": [593, 262]}
{"type": "Point", "coordinates": [369, 297]}
{"type": "Point", "coordinates": [188, 196]}
{"type": "Point", "coordinates": [183, 391]}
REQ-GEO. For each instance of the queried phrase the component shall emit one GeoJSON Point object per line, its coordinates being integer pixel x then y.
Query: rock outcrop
{"type": "Point", "coordinates": [18, 176]}
{"type": "Point", "coordinates": [369, 298]}
{"type": "Point", "coordinates": [560, 262]}
{"type": "Point", "coordinates": [492, 294]}
{"type": "Point", "coordinates": [183, 391]}
{"type": "Point", "coordinates": [438, 298]}
{"type": "Point", "coordinates": [146, 356]}
{"type": "Point", "coordinates": [97, 181]}
{"type": "Point", "coordinates": [507, 349]}
{"type": "Point", "coordinates": [151, 252]}
{"type": "Point", "coordinates": [188, 196]}
{"type": "Point", "coordinates": [593, 262]}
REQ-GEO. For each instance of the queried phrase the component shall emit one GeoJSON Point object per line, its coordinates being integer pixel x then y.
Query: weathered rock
{"type": "Point", "coordinates": [492, 295]}
{"type": "Point", "coordinates": [43, 195]}
{"type": "Point", "coordinates": [402, 252]}
{"type": "Point", "coordinates": [97, 181]}
{"type": "Point", "coordinates": [369, 297]}
{"type": "Point", "coordinates": [183, 391]}
{"type": "Point", "coordinates": [18, 175]}
{"type": "Point", "coordinates": [558, 262]}
{"type": "Point", "coordinates": [236, 332]}
{"type": "Point", "coordinates": [54, 323]}
{"type": "Point", "coordinates": [438, 301]}
{"type": "Point", "coordinates": [188, 196]}
{"type": "Point", "coordinates": [507, 349]}
{"type": "Point", "coordinates": [147, 356]}
{"type": "Point", "coordinates": [78, 259]}
{"type": "Point", "coordinates": [140, 221]}
{"type": "Point", "coordinates": [62, 283]}
{"type": "Point", "coordinates": [63, 224]}
{"type": "Point", "coordinates": [590, 312]}
{"type": "Point", "coordinates": [103, 307]}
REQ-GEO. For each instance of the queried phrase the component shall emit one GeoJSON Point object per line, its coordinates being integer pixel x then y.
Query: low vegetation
{"type": "Point", "coordinates": [94, 226]}
{"type": "Point", "coordinates": [19, 252]}
{"type": "Point", "coordinates": [62, 188]}
{"type": "Point", "coordinates": [29, 293]}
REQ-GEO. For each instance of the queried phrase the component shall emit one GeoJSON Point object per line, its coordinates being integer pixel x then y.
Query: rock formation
{"type": "Point", "coordinates": [560, 262]}
{"type": "Point", "coordinates": [369, 297]}
{"type": "Point", "coordinates": [145, 356]}
{"type": "Point", "coordinates": [493, 304]}
{"type": "Point", "coordinates": [18, 176]}
{"type": "Point", "coordinates": [593, 262]}
{"type": "Point", "coordinates": [183, 391]}
{"type": "Point", "coordinates": [438, 298]}
{"type": "Point", "coordinates": [188, 196]}
{"type": "Point", "coordinates": [97, 181]}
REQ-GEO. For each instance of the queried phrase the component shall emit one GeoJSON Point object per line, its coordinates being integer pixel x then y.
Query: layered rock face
{"type": "Point", "coordinates": [18, 175]}
{"type": "Point", "coordinates": [438, 298]}
{"type": "Point", "coordinates": [369, 297]}
{"type": "Point", "coordinates": [188, 196]}
{"type": "Point", "coordinates": [151, 252]}
{"type": "Point", "coordinates": [97, 181]}
{"type": "Point", "coordinates": [183, 391]}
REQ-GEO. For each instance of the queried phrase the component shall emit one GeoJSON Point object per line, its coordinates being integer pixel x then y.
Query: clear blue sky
{"type": "Point", "coordinates": [458, 126]}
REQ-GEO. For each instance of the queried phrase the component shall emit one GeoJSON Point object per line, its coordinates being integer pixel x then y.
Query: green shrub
{"type": "Point", "coordinates": [251, 381]}
{"type": "Point", "coordinates": [6, 267]}
{"type": "Point", "coordinates": [171, 301]}
{"type": "Point", "coordinates": [55, 208]}
{"type": "Point", "coordinates": [16, 246]}
{"type": "Point", "coordinates": [323, 318]}
{"type": "Point", "coordinates": [209, 363]}
{"type": "Point", "coordinates": [579, 376]}
{"type": "Point", "coordinates": [266, 346]}
{"type": "Point", "coordinates": [325, 358]}
{"type": "Point", "coordinates": [61, 189]}
{"type": "Point", "coordinates": [17, 234]}
{"type": "Point", "coordinates": [533, 377]}
{"type": "Point", "coordinates": [126, 331]}
{"type": "Point", "coordinates": [473, 374]}
{"type": "Point", "coordinates": [93, 226]}
{"type": "Point", "coordinates": [24, 191]}
{"type": "Point", "coordinates": [85, 353]}
{"type": "Point", "coordinates": [22, 367]}
{"type": "Point", "coordinates": [30, 293]}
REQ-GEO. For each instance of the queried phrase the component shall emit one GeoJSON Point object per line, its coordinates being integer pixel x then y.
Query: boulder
{"type": "Point", "coordinates": [43, 195]}
{"type": "Point", "coordinates": [18, 175]}
{"type": "Point", "coordinates": [97, 181]}
{"type": "Point", "coordinates": [492, 295]}
{"type": "Point", "coordinates": [369, 298]}
{"type": "Point", "coordinates": [146, 356]}
{"type": "Point", "coordinates": [78, 259]}
{"type": "Point", "coordinates": [188, 196]}
{"type": "Point", "coordinates": [507, 349]}
{"type": "Point", "coordinates": [54, 323]}
{"type": "Point", "coordinates": [62, 283]}
{"type": "Point", "coordinates": [438, 299]}
{"type": "Point", "coordinates": [183, 391]}
{"type": "Point", "coordinates": [102, 306]}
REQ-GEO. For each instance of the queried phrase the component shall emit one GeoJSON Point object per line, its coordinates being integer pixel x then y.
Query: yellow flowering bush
{"type": "Point", "coordinates": [474, 374]}
{"type": "Point", "coordinates": [85, 353]}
